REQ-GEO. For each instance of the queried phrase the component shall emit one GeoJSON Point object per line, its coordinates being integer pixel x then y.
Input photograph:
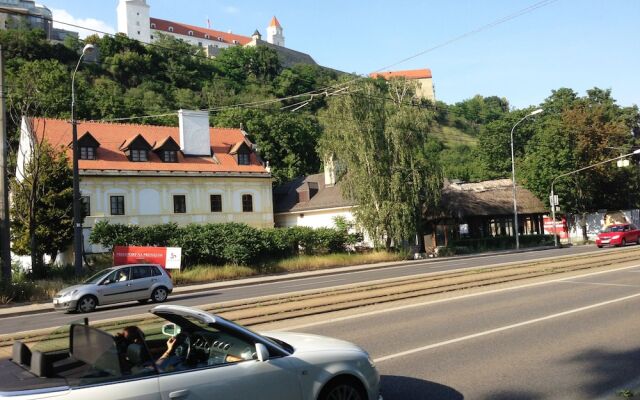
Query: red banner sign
{"type": "Point", "coordinates": [167, 257]}
{"type": "Point", "coordinates": [558, 228]}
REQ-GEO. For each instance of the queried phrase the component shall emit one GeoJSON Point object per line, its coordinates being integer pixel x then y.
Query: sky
{"type": "Point", "coordinates": [577, 44]}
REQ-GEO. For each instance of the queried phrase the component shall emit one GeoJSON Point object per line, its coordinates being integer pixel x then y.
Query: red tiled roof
{"type": "Point", "coordinates": [409, 74]}
{"type": "Point", "coordinates": [112, 136]}
{"type": "Point", "coordinates": [198, 32]}
{"type": "Point", "coordinates": [275, 22]}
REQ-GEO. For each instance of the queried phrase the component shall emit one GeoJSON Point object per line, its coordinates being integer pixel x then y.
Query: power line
{"type": "Point", "coordinates": [340, 86]}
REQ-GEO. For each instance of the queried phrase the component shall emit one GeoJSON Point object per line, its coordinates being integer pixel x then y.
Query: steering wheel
{"type": "Point", "coordinates": [183, 347]}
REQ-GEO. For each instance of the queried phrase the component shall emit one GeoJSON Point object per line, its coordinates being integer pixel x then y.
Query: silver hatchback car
{"type": "Point", "coordinates": [141, 282]}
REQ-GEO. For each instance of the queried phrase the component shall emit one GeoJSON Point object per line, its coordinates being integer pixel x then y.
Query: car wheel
{"type": "Point", "coordinates": [623, 242]}
{"type": "Point", "coordinates": [343, 389]}
{"type": "Point", "coordinates": [599, 246]}
{"type": "Point", "coordinates": [638, 240]}
{"type": "Point", "coordinates": [87, 304]}
{"type": "Point", "coordinates": [159, 294]}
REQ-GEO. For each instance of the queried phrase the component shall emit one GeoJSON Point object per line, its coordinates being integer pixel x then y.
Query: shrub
{"type": "Point", "coordinates": [230, 243]}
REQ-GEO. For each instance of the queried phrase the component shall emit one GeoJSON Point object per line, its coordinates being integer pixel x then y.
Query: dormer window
{"type": "Point", "coordinates": [139, 155]}
{"type": "Point", "coordinates": [88, 147]}
{"type": "Point", "coordinates": [170, 156]}
{"type": "Point", "coordinates": [206, 36]}
{"type": "Point", "coordinates": [170, 29]}
{"type": "Point", "coordinates": [87, 153]}
{"type": "Point", "coordinates": [190, 33]}
{"type": "Point", "coordinates": [153, 25]}
{"type": "Point", "coordinates": [242, 152]}
{"type": "Point", "coordinates": [235, 41]}
{"type": "Point", "coordinates": [219, 39]}
{"type": "Point", "coordinates": [244, 159]}
{"type": "Point", "coordinates": [136, 149]}
{"type": "Point", "coordinates": [167, 150]}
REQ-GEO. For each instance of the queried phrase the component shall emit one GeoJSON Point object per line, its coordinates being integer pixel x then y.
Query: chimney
{"type": "Point", "coordinates": [329, 171]}
{"type": "Point", "coordinates": [195, 139]}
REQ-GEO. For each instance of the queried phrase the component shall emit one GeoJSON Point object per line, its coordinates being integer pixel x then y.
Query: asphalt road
{"type": "Point", "coordinates": [575, 338]}
{"type": "Point", "coordinates": [54, 319]}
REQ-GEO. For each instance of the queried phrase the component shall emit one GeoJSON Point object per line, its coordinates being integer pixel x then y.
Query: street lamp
{"type": "Point", "coordinates": [77, 219]}
{"type": "Point", "coordinates": [513, 175]}
{"type": "Point", "coordinates": [553, 182]}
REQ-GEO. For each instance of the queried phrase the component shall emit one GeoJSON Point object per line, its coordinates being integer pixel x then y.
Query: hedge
{"type": "Point", "coordinates": [229, 243]}
{"type": "Point", "coordinates": [499, 242]}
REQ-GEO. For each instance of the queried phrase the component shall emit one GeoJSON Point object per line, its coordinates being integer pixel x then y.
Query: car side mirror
{"type": "Point", "coordinates": [262, 352]}
{"type": "Point", "coordinates": [170, 329]}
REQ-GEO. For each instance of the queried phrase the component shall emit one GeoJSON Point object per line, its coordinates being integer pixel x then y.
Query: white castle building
{"type": "Point", "coordinates": [135, 21]}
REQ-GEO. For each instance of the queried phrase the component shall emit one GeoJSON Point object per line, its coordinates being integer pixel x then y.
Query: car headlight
{"type": "Point", "coordinates": [615, 237]}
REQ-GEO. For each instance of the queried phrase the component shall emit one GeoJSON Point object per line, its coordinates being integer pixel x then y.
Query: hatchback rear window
{"type": "Point", "coordinates": [156, 271]}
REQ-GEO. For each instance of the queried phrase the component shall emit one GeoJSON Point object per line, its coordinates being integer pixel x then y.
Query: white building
{"type": "Point", "coordinates": [134, 19]}
{"type": "Point", "coordinates": [145, 175]}
{"type": "Point", "coordinates": [313, 201]}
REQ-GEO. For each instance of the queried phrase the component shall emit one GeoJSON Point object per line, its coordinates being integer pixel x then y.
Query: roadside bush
{"type": "Point", "coordinates": [230, 243]}
{"type": "Point", "coordinates": [498, 243]}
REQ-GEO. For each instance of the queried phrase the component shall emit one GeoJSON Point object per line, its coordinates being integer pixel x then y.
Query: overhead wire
{"type": "Point", "coordinates": [339, 86]}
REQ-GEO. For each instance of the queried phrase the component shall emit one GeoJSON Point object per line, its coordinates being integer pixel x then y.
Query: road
{"type": "Point", "coordinates": [54, 319]}
{"type": "Point", "coordinates": [572, 338]}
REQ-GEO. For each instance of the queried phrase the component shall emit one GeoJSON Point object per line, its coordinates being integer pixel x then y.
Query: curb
{"type": "Point", "coordinates": [40, 308]}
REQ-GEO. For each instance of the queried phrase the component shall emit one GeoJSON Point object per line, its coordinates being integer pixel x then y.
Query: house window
{"type": "Point", "coordinates": [179, 204]}
{"type": "Point", "coordinates": [139, 155]}
{"type": "Point", "coordinates": [87, 153]}
{"type": "Point", "coordinates": [247, 203]}
{"type": "Point", "coordinates": [243, 159]}
{"type": "Point", "coordinates": [117, 205]}
{"type": "Point", "coordinates": [216, 202]}
{"type": "Point", "coordinates": [85, 203]}
{"type": "Point", "coordinates": [170, 156]}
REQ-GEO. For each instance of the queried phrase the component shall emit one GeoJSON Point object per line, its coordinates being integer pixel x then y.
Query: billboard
{"type": "Point", "coordinates": [558, 228]}
{"type": "Point", "coordinates": [167, 257]}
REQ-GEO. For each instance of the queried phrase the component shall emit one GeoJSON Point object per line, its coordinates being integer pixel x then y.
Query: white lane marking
{"type": "Point", "coordinates": [431, 302]}
{"type": "Point", "coordinates": [601, 284]}
{"type": "Point", "coordinates": [503, 328]}
{"type": "Point", "coordinates": [312, 283]}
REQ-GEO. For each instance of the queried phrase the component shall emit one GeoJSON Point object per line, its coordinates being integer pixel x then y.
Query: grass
{"type": "Point", "coordinates": [451, 136]}
{"type": "Point", "coordinates": [23, 289]}
{"type": "Point", "coordinates": [211, 273]}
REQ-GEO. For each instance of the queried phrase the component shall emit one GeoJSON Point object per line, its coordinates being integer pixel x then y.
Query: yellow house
{"type": "Point", "coordinates": [144, 175]}
{"type": "Point", "coordinates": [423, 77]}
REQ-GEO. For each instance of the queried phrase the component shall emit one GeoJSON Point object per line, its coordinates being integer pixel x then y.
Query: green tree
{"type": "Point", "coordinates": [41, 208]}
{"type": "Point", "coordinates": [378, 139]}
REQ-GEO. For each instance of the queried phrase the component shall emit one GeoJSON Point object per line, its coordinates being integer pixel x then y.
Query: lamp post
{"type": "Point", "coordinates": [513, 175]}
{"type": "Point", "coordinates": [77, 218]}
{"type": "Point", "coordinates": [553, 182]}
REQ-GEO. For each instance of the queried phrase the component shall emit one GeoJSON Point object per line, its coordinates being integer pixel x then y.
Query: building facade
{"type": "Point", "coordinates": [422, 77]}
{"type": "Point", "coordinates": [145, 175]}
{"type": "Point", "coordinates": [15, 13]}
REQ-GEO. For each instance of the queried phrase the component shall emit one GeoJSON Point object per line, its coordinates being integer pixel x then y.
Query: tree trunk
{"type": "Point", "coordinates": [583, 226]}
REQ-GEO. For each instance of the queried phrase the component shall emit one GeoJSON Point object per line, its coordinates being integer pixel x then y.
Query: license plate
{"type": "Point", "coordinates": [604, 241]}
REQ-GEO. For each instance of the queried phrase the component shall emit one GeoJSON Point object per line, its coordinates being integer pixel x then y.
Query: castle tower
{"type": "Point", "coordinates": [133, 19]}
{"type": "Point", "coordinates": [274, 33]}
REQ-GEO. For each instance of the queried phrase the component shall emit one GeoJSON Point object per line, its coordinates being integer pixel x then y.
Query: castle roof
{"type": "Point", "coordinates": [112, 138]}
{"type": "Point", "coordinates": [275, 22]}
{"type": "Point", "coordinates": [408, 74]}
{"type": "Point", "coordinates": [204, 33]}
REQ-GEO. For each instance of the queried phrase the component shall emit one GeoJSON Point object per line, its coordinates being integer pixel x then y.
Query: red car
{"type": "Point", "coordinates": [618, 235]}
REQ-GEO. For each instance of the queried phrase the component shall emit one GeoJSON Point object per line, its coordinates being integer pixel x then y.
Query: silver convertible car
{"type": "Point", "coordinates": [188, 355]}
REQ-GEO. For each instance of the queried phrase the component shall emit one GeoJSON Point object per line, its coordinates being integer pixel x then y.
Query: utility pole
{"type": "Point", "coordinates": [5, 247]}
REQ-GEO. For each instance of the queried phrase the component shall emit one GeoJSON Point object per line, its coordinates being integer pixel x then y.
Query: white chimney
{"type": "Point", "coordinates": [195, 139]}
{"type": "Point", "coordinates": [329, 171]}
